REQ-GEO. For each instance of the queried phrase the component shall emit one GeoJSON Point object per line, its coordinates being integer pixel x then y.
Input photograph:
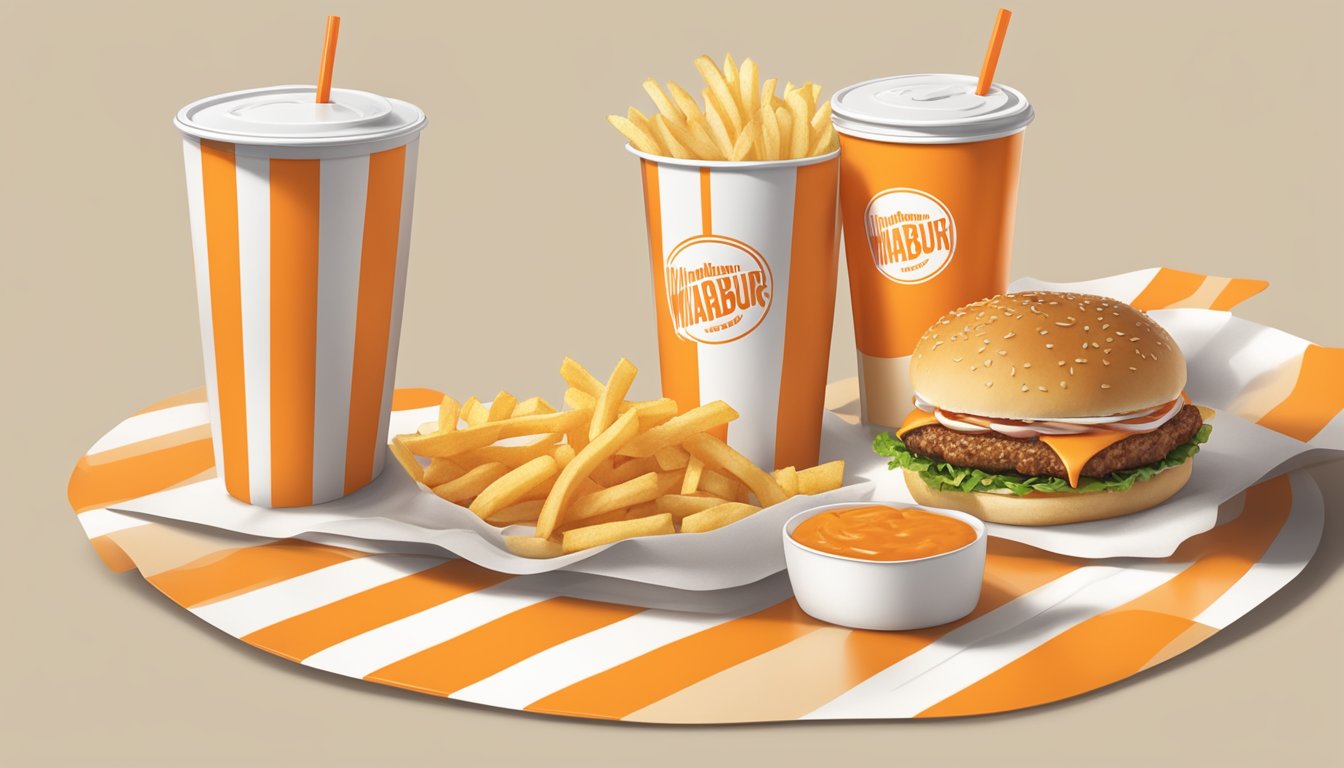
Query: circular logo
{"type": "Point", "coordinates": [911, 234]}
{"type": "Point", "coordinates": [718, 289]}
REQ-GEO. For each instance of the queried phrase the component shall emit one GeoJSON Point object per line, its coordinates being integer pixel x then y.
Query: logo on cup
{"type": "Point", "coordinates": [911, 234]}
{"type": "Point", "coordinates": [718, 289]}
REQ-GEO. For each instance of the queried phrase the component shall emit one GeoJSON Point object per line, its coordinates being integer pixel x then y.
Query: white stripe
{"type": "Point", "coordinates": [251, 611]}
{"type": "Point", "coordinates": [924, 678]}
{"type": "Point", "coordinates": [191, 152]}
{"type": "Point", "coordinates": [254, 279]}
{"type": "Point", "coordinates": [1285, 557]}
{"type": "Point", "coordinates": [101, 522]}
{"type": "Point", "coordinates": [398, 300]}
{"type": "Point", "coordinates": [344, 187]}
{"type": "Point", "coordinates": [1126, 287]}
{"type": "Point", "coordinates": [755, 207]}
{"type": "Point", "coordinates": [158, 423]}
{"type": "Point", "coordinates": [582, 657]}
{"type": "Point", "coordinates": [363, 654]}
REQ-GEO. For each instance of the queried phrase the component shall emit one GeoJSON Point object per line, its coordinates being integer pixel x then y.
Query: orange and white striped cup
{"type": "Point", "coordinates": [300, 223]}
{"type": "Point", "coordinates": [744, 258]}
{"type": "Point", "coordinates": [928, 190]}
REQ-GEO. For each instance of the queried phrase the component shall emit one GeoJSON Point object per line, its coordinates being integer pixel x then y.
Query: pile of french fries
{"type": "Point", "coordinates": [605, 470]}
{"type": "Point", "coordinates": [738, 119]}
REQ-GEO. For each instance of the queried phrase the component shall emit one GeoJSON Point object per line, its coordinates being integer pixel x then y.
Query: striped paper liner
{"type": "Point", "coordinates": [1048, 627]}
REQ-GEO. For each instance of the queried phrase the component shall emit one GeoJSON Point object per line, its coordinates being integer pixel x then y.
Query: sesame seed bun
{"type": "Point", "coordinates": [1054, 508]}
{"type": "Point", "coordinates": [1046, 354]}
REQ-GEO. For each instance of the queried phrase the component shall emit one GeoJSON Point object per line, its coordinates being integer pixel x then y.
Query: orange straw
{"type": "Point", "coordinates": [992, 55]}
{"type": "Point", "coordinates": [329, 60]}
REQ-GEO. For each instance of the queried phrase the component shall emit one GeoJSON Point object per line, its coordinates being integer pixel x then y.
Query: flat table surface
{"type": "Point", "coordinates": [1192, 136]}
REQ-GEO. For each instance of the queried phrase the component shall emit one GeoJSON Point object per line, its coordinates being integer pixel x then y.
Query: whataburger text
{"type": "Point", "coordinates": [710, 294]}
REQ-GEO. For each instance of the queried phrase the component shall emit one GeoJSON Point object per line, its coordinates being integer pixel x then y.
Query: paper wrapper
{"type": "Point", "coordinates": [1276, 397]}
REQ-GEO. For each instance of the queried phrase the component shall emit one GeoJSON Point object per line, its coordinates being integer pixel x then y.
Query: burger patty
{"type": "Point", "coordinates": [997, 453]}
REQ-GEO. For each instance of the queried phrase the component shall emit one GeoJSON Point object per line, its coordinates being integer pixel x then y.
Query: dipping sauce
{"type": "Point", "coordinates": [883, 533]}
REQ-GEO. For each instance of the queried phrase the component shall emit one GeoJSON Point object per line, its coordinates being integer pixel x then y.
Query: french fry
{"type": "Point", "coordinates": [690, 482]}
{"type": "Point", "coordinates": [664, 133]}
{"type": "Point", "coordinates": [712, 450]}
{"type": "Point", "coordinates": [822, 478]}
{"type": "Point", "coordinates": [576, 398]}
{"type": "Point", "coordinates": [680, 506]}
{"type": "Point", "coordinates": [679, 428]}
{"type": "Point", "coordinates": [784, 118]}
{"type": "Point", "coordinates": [725, 98]}
{"type": "Point", "coordinates": [612, 397]}
{"type": "Point", "coordinates": [729, 70]}
{"type": "Point", "coordinates": [511, 455]}
{"type": "Point", "coordinates": [660, 100]}
{"type": "Point", "coordinates": [475, 414]}
{"type": "Point", "coordinates": [532, 406]}
{"type": "Point", "coordinates": [519, 512]}
{"type": "Point", "coordinates": [602, 447]}
{"type": "Point", "coordinates": [563, 454]}
{"type": "Point", "coordinates": [717, 517]}
{"type": "Point", "coordinates": [788, 480]}
{"type": "Point", "coordinates": [637, 491]}
{"type": "Point", "coordinates": [451, 443]}
{"type": "Point", "coordinates": [686, 103]}
{"type": "Point", "coordinates": [746, 141]}
{"type": "Point", "coordinates": [826, 141]}
{"type": "Point", "coordinates": [585, 487]}
{"type": "Point", "coordinates": [821, 119]}
{"type": "Point", "coordinates": [647, 509]}
{"type": "Point", "coordinates": [638, 137]}
{"type": "Point", "coordinates": [612, 475]}
{"type": "Point", "coordinates": [578, 377]}
{"type": "Point", "coordinates": [470, 484]}
{"type": "Point", "coordinates": [512, 486]}
{"type": "Point", "coordinates": [469, 405]}
{"type": "Point", "coordinates": [501, 407]}
{"type": "Point", "coordinates": [720, 128]}
{"type": "Point", "coordinates": [532, 546]}
{"type": "Point", "coordinates": [714, 483]}
{"type": "Point", "coordinates": [699, 131]}
{"type": "Point", "coordinates": [407, 460]}
{"type": "Point", "coordinates": [587, 537]}
{"type": "Point", "coordinates": [768, 97]}
{"type": "Point", "coordinates": [671, 457]}
{"type": "Point", "coordinates": [441, 471]}
{"type": "Point", "coordinates": [800, 135]}
{"type": "Point", "coordinates": [769, 133]}
{"type": "Point", "coordinates": [698, 144]}
{"type": "Point", "coordinates": [748, 85]}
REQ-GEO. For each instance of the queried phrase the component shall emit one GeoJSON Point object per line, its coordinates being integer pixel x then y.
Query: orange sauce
{"type": "Point", "coordinates": [883, 533]}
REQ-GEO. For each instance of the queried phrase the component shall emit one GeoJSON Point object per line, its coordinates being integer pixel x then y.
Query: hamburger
{"type": "Point", "coordinates": [1042, 408]}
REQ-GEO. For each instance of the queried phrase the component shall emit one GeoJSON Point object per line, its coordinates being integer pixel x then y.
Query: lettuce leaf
{"type": "Point", "coordinates": [949, 477]}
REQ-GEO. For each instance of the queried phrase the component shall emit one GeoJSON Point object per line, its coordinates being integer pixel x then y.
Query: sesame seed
{"type": "Point", "coordinates": [1025, 388]}
{"type": "Point", "coordinates": [1095, 345]}
{"type": "Point", "coordinates": [1063, 385]}
{"type": "Point", "coordinates": [1012, 371]}
{"type": "Point", "coordinates": [1026, 365]}
{"type": "Point", "coordinates": [1106, 351]}
{"type": "Point", "coordinates": [1105, 386]}
{"type": "Point", "coordinates": [1133, 338]}
{"type": "Point", "coordinates": [989, 361]}
{"type": "Point", "coordinates": [1061, 363]}
{"type": "Point", "coordinates": [1110, 339]}
{"type": "Point", "coordinates": [981, 349]}
{"type": "Point", "coordinates": [1087, 328]}
{"type": "Point", "coordinates": [988, 384]}
{"type": "Point", "coordinates": [1009, 335]}
{"type": "Point", "coordinates": [1105, 362]}
{"type": "Point", "coordinates": [1043, 389]}
{"type": "Point", "coordinates": [1044, 332]}
{"type": "Point", "coordinates": [972, 367]}
{"type": "Point", "coordinates": [1062, 324]}
{"type": "Point", "coordinates": [1104, 326]}
{"type": "Point", "coordinates": [1080, 359]}
{"type": "Point", "coordinates": [1070, 370]}
{"type": "Point", "coordinates": [1003, 352]}
{"type": "Point", "coordinates": [1132, 368]}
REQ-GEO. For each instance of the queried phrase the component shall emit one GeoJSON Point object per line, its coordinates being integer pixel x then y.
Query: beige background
{"type": "Point", "coordinates": [1204, 136]}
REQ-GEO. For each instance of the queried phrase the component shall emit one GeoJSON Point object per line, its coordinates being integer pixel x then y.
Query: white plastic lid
{"type": "Point", "coordinates": [929, 109]}
{"type": "Point", "coordinates": [289, 115]}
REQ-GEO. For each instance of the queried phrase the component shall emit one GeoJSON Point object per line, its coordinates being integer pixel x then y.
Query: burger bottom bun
{"type": "Point", "coordinates": [1054, 508]}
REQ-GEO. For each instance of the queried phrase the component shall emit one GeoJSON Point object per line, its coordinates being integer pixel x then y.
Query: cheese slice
{"type": "Point", "coordinates": [916, 419]}
{"type": "Point", "coordinates": [1076, 450]}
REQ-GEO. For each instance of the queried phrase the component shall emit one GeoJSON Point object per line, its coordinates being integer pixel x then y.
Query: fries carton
{"type": "Point", "coordinates": [744, 258]}
{"type": "Point", "coordinates": [300, 220]}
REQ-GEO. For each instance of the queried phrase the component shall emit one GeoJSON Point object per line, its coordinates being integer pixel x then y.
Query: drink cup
{"type": "Point", "coordinates": [928, 191]}
{"type": "Point", "coordinates": [300, 224]}
{"type": "Point", "coordinates": [744, 258]}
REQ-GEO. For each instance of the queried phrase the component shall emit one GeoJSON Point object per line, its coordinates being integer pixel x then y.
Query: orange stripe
{"type": "Point", "coordinates": [236, 571]}
{"type": "Point", "coordinates": [1317, 397]}
{"type": "Point", "coordinates": [196, 395]}
{"type": "Point", "coordinates": [639, 682]}
{"type": "Point", "coordinates": [112, 555]}
{"type": "Point", "coordinates": [377, 277]}
{"type": "Point", "coordinates": [1120, 642]}
{"type": "Point", "coordinates": [150, 445]}
{"type": "Point", "coordinates": [1167, 287]}
{"type": "Point", "coordinates": [1236, 292]}
{"type": "Point", "coordinates": [220, 182]}
{"type": "Point", "coordinates": [679, 362]}
{"type": "Point", "coordinates": [784, 684]}
{"type": "Point", "coordinates": [813, 262]}
{"type": "Point", "coordinates": [302, 636]}
{"type": "Point", "coordinates": [107, 482]}
{"type": "Point", "coordinates": [411, 398]}
{"type": "Point", "coordinates": [475, 655]}
{"type": "Point", "coordinates": [295, 196]}
{"type": "Point", "coordinates": [706, 209]}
